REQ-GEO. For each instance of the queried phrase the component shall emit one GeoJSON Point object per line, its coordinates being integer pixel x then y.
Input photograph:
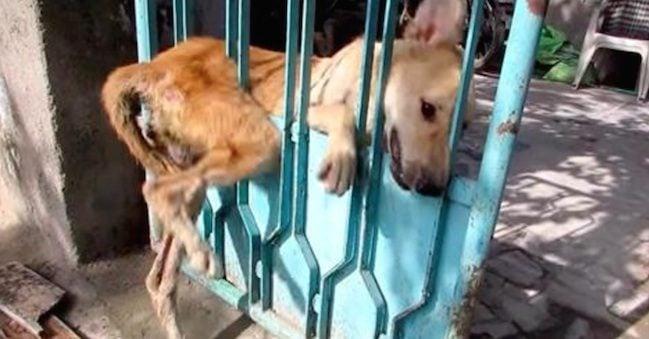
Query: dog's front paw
{"type": "Point", "coordinates": [338, 167]}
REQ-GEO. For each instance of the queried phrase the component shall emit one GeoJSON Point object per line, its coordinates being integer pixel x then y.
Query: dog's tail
{"type": "Point", "coordinates": [120, 96]}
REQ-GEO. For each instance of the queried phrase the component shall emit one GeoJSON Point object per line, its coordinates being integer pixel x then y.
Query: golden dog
{"type": "Point", "coordinates": [203, 130]}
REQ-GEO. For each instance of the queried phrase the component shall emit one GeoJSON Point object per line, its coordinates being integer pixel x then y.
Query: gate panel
{"type": "Point", "coordinates": [379, 261]}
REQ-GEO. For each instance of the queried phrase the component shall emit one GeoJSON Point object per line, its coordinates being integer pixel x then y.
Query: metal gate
{"type": "Point", "coordinates": [379, 261]}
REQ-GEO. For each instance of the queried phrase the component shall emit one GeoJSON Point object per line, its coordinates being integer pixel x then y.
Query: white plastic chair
{"type": "Point", "coordinates": [621, 25]}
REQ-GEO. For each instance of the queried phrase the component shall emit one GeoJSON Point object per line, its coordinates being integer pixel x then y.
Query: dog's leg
{"type": "Point", "coordinates": [167, 290]}
{"type": "Point", "coordinates": [176, 198]}
{"type": "Point", "coordinates": [161, 283]}
{"type": "Point", "coordinates": [338, 167]}
{"type": "Point", "coordinates": [176, 201]}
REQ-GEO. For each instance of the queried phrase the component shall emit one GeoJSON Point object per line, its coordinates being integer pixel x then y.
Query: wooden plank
{"type": "Point", "coordinates": [25, 296]}
{"type": "Point", "coordinates": [55, 328]}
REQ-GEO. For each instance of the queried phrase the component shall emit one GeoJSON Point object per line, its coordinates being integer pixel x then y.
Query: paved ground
{"type": "Point", "coordinates": [570, 257]}
{"type": "Point", "coordinates": [571, 250]}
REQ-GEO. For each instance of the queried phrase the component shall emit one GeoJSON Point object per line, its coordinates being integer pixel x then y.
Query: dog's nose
{"type": "Point", "coordinates": [429, 189]}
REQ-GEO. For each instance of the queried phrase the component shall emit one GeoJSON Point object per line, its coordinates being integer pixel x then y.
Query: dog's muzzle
{"type": "Point", "coordinates": [413, 177]}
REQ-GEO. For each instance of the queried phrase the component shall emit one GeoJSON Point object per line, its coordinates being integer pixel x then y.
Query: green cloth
{"type": "Point", "coordinates": [557, 59]}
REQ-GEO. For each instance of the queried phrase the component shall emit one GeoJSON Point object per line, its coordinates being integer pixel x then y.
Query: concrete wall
{"type": "Point", "coordinates": [64, 173]}
{"type": "Point", "coordinates": [571, 17]}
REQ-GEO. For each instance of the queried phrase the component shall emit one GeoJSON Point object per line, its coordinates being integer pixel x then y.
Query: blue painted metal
{"type": "Point", "coordinates": [231, 27]}
{"type": "Point", "coordinates": [395, 264]}
{"type": "Point", "coordinates": [433, 263]}
{"type": "Point", "coordinates": [243, 42]}
{"type": "Point", "coordinates": [243, 188]}
{"type": "Point", "coordinates": [288, 147]}
{"type": "Point", "coordinates": [147, 45]}
{"type": "Point", "coordinates": [298, 224]}
{"type": "Point", "coordinates": [370, 227]}
{"type": "Point", "coordinates": [147, 35]}
{"type": "Point", "coordinates": [183, 15]}
{"type": "Point", "coordinates": [342, 269]}
{"type": "Point", "coordinates": [467, 75]}
{"type": "Point", "coordinates": [517, 69]}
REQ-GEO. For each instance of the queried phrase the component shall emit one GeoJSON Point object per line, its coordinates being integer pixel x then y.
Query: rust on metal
{"type": "Point", "coordinates": [509, 126]}
{"type": "Point", "coordinates": [537, 7]}
{"type": "Point", "coordinates": [461, 320]}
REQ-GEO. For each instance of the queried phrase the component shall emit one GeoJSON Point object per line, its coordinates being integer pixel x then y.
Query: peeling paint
{"type": "Point", "coordinates": [461, 319]}
{"type": "Point", "coordinates": [508, 126]}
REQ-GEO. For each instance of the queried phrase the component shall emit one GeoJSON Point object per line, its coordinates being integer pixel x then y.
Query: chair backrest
{"type": "Point", "coordinates": [625, 18]}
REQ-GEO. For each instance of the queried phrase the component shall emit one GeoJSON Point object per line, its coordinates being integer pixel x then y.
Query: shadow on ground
{"type": "Point", "coordinates": [573, 219]}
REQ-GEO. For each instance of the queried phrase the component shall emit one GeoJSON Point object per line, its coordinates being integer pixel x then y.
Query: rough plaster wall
{"type": "Point", "coordinates": [84, 41]}
{"type": "Point", "coordinates": [62, 169]}
{"type": "Point", "coordinates": [31, 180]}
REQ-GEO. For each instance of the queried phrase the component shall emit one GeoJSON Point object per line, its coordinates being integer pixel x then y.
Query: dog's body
{"type": "Point", "coordinates": [203, 130]}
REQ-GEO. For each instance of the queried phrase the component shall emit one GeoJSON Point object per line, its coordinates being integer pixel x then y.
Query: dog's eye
{"type": "Point", "coordinates": [428, 110]}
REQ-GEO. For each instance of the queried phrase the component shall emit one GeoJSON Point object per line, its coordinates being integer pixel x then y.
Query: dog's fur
{"type": "Point", "coordinates": [203, 130]}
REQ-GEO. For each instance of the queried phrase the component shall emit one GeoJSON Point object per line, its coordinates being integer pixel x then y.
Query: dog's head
{"type": "Point", "coordinates": [420, 96]}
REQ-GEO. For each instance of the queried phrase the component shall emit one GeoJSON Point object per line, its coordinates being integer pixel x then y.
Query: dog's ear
{"type": "Point", "coordinates": [437, 21]}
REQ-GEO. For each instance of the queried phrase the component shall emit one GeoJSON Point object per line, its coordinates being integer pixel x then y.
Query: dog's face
{"type": "Point", "coordinates": [419, 102]}
{"type": "Point", "coordinates": [420, 96]}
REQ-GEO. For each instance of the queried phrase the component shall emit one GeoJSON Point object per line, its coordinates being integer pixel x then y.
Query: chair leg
{"type": "Point", "coordinates": [584, 61]}
{"type": "Point", "coordinates": [643, 77]}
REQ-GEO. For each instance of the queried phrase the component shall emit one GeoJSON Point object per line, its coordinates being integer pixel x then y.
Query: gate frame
{"type": "Point", "coordinates": [484, 195]}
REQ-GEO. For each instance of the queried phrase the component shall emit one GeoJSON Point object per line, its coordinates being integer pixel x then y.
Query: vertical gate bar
{"type": "Point", "coordinates": [243, 187]}
{"type": "Point", "coordinates": [466, 78]}
{"type": "Point", "coordinates": [376, 167]}
{"type": "Point", "coordinates": [218, 230]}
{"type": "Point", "coordinates": [368, 243]}
{"type": "Point", "coordinates": [183, 15]}
{"type": "Point", "coordinates": [301, 176]}
{"type": "Point", "coordinates": [147, 45]}
{"type": "Point", "coordinates": [147, 35]}
{"type": "Point", "coordinates": [231, 25]}
{"type": "Point", "coordinates": [287, 165]}
{"type": "Point", "coordinates": [179, 21]}
{"type": "Point", "coordinates": [190, 13]}
{"type": "Point", "coordinates": [343, 268]}
{"type": "Point", "coordinates": [208, 219]}
{"type": "Point", "coordinates": [242, 61]}
{"type": "Point", "coordinates": [303, 128]}
{"type": "Point", "coordinates": [510, 98]}
{"type": "Point", "coordinates": [243, 42]}
{"type": "Point", "coordinates": [428, 294]}
{"type": "Point", "coordinates": [366, 66]}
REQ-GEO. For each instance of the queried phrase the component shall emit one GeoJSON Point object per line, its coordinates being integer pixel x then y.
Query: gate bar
{"type": "Point", "coordinates": [243, 44]}
{"type": "Point", "coordinates": [183, 15]}
{"type": "Point", "coordinates": [510, 98]}
{"type": "Point", "coordinates": [370, 227]}
{"type": "Point", "coordinates": [288, 150]}
{"type": "Point", "coordinates": [243, 187]}
{"type": "Point", "coordinates": [471, 44]}
{"type": "Point", "coordinates": [345, 267]}
{"type": "Point", "coordinates": [147, 46]}
{"type": "Point", "coordinates": [429, 294]}
{"type": "Point", "coordinates": [231, 27]}
{"type": "Point", "coordinates": [300, 184]}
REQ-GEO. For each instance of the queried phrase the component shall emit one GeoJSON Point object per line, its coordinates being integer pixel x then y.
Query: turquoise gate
{"type": "Point", "coordinates": [379, 261]}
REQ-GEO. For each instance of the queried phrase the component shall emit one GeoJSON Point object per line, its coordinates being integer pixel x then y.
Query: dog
{"type": "Point", "coordinates": [203, 130]}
